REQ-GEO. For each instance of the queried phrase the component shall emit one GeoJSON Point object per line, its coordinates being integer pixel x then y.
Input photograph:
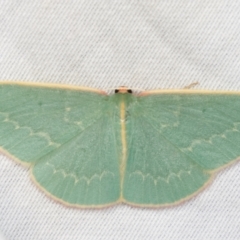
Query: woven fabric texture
{"type": "Point", "coordinates": [143, 44]}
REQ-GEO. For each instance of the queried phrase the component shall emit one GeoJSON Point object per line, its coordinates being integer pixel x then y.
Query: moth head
{"type": "Point", "coordinates": [123, 90]}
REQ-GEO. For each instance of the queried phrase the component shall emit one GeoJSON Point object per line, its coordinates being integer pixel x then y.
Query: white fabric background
{"type": "Point", "coordinates": [143, 44]}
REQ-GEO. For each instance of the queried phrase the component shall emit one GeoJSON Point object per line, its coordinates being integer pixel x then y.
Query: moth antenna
{"type": "Point", "coordinates": [192, 85]}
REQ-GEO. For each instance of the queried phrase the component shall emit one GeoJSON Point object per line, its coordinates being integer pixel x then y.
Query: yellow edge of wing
{"type": "Point", "coordinates": [191, 196]}
{"type": "Point", "coordinates": [121, 199]}
{"type": "Point", "coordinates": [52, 197]}
{"type": "Point", "coordinates": [67, 204]}
{"type": "Point", "coordinates": [53, 85]}
{"type": "Point", "coordinates": [187, 91]}
{"type": "Point", "coordinates": [83, 88]}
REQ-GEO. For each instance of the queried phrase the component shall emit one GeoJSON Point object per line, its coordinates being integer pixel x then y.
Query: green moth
{"type": "Point", "coordinates": [85, 148]}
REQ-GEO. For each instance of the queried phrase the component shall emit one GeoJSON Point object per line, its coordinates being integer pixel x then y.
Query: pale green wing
{"type": "Point", "coordinates": [175, 144]}
{"type": "Point", "coordinates": [67, 136]}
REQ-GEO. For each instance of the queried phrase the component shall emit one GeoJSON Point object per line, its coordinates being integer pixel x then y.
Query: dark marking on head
{"type": "Point", "coordinates": [123, 90]}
